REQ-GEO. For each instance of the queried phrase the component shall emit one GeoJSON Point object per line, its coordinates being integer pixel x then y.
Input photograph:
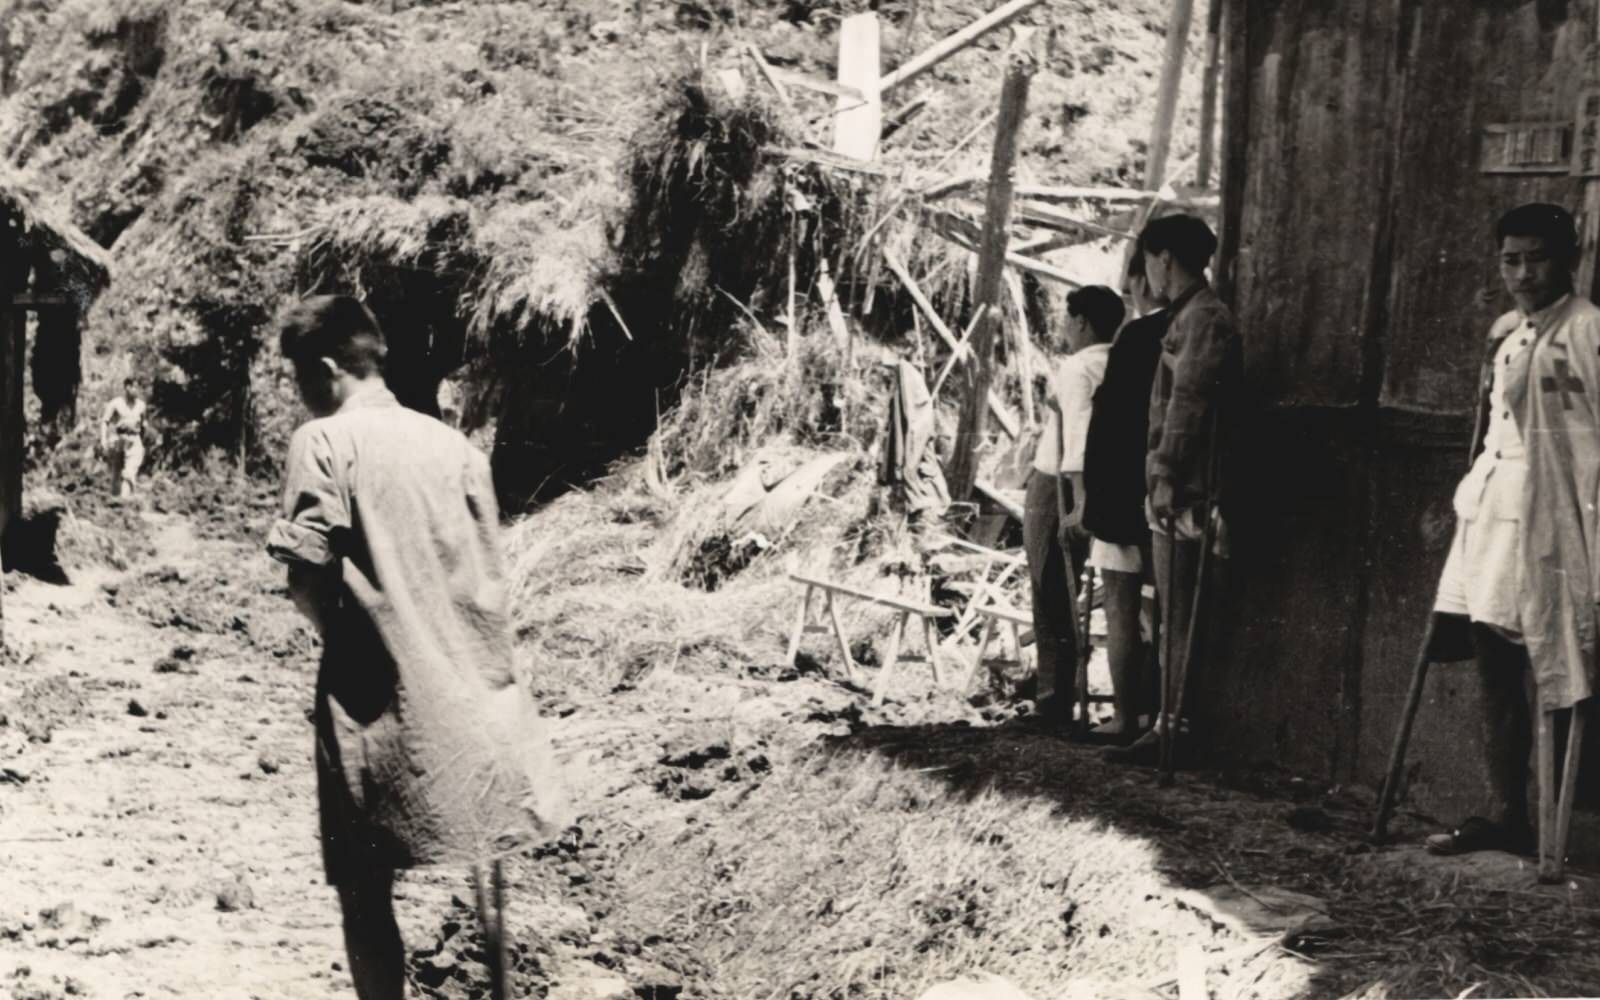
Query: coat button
{"type": "Point", "coordinates": [1497, 454]}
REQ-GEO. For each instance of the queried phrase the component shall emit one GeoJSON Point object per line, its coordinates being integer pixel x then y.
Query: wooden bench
{"type": "Point", "coordinates": [928, 613]}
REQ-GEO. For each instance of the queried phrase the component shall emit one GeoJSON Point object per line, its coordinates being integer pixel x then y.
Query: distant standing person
{"type": "Point", "coordinates": [1052, 539]}
{"type": "Point", "coordinates": [122, 430]}
{"type": "Point", "coordinates": [428, 751]}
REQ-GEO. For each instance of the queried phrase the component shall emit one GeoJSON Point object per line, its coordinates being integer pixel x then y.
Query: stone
{"type": "Point", "coordinates": [236, 895]}
{"type": "Point", "coordinates": [137, 710]}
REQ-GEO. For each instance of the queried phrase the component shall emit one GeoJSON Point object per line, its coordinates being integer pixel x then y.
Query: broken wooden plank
{"type": "Point", "coordinates": [937, 53]}
{"type": "Point", "coordinates": [1040, 269]}
{"type": "Point", "coordinates": [765, 69]}
{"type": "Point", "coordinates": [999, 498]}
{"type": "Point", "coordinates": [971, 429]}
{"type": "Point", "coordinates": [830, 301]}
{"type": "Point", "coordinates": [822, 157]}
{"type": "Point", "coordinates": [1008, 422]}
{"type": "Point", "coordinates": [858, 125]}
{"type": "Point", "coordinates": [957, 354]}
{"type": "Point", "coordinates": [948, 225]}
{"type": "Point", "coordinates": [790, 78]}
{"type": "Point", "coordinates": [1054, 218]}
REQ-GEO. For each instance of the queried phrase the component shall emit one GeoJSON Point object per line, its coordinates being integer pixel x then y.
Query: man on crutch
{"type": "Point", "coordinates": [1522, 564]}
{"type": "Point", "coordinates": [428, 751]}
{"type": "Point", "coordinates": [1201, 368]}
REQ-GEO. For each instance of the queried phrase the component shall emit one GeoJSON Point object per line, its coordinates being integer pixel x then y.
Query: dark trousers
{"type": "Point", "coordinates": [1507, 723]}
{"type": "Point", "coordinates": [1177, 571]}
{"type": "Point", "coordinates": [1055, 625]}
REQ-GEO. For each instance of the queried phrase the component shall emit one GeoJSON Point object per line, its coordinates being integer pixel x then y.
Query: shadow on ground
{"type": "Point", "coordinates": [1397, 922]}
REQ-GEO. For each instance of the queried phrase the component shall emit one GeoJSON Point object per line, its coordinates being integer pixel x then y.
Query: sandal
{"type": "Point", "coordinates": [1478, 834]}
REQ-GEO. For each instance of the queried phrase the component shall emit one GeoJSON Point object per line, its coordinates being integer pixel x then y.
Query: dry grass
{"type": "Point", "coordinates": [847, 877]}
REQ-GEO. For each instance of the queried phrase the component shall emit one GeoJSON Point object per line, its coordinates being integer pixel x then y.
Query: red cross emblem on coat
{"type": "Point", "coordinates": [1563, 381]}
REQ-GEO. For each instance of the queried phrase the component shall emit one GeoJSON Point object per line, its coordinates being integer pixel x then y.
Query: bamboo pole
{"type": "Point", "coordinates": [971, 430]}
{"type": "Point", "coordinates": [937, 53]}
{"type": "Point", "coordinates": [1208, 96]}
{"type": "Point", "coordinates": [1155, 173]}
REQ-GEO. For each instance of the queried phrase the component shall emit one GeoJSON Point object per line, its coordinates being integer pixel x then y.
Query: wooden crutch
{"type": "Point", "coordinates": [1163, 724]}
{"type": "Point", "coordinates": [1555, 814]}
{"type": "Point", "coordinates": [1208, 537]}
{"type": "Point", "coordinates": [1402, 736]}
{"type": "Point", "coordinates": [1085, 646]}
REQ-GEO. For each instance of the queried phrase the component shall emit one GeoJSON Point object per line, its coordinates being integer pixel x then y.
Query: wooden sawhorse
{"type": "Point", "coordinates": [993, 616]}
{"type": "Point", "coordinates": [894, 655]}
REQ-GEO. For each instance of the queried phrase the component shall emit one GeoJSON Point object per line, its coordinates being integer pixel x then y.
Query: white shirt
{"type": "Point", "coordinates": [1077, 376]}
{"type": "Point", "coordinates": [1492, 488]}
{"type": "Point", "coordinates": [124, 418]}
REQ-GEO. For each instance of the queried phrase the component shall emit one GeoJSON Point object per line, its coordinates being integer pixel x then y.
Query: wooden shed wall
{"type": "Point", "coordinates": [1356, 246]}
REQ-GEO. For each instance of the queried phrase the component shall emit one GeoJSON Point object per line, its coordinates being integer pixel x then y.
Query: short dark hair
{"type": "Point", "coordinates": [336, 327]}
{"type": "Point", "coordinates": [130, 380]}
{"type": "Point", "coordinates": [1100, 306]}
{"type": "Point", "coordinates": [1550, 223]}
{"type": "Point", "coordinates": [1188, 237]}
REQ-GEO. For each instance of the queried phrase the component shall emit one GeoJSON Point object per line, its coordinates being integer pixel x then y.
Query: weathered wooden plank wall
{"type": "Point", "coordinates": [1356, 244]}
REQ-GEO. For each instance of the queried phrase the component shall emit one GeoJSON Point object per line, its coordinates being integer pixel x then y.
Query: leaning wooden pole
{"type": "Point", "coordinates": [979, 375]}
{"type": "Point", "coordinates": [1208, 96]}
{"type": "Point", "coordinates": [1155, 173]}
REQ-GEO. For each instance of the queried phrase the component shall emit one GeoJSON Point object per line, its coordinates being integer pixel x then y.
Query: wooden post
{"type": "Point", "coordinates": [1208, 95]}
{"type": "Point", "coordinates": [858, 125]}
{"type": "Point", "coordinates": [1022, 346]}
{"type": "Point", "coordinates": [1589, 234]}
{"type": "Point", "coordinates": [939, 52]}
{"type": "Point", "coordinates": [971, 429]}
{"type": "Point", "coordinates": [1155, 172]}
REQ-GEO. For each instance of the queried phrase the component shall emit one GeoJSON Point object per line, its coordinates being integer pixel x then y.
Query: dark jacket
{"type": "Point", "coordinates": [1201, 370]}
{"type": "Point", "coordinates": [1119, 425]}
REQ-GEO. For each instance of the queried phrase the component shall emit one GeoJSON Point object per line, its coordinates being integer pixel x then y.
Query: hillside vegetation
{"type": "Point", "coordinates": [511, 185]}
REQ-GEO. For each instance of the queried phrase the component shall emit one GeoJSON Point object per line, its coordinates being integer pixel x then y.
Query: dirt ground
{"type": "Point", "coordinates": [741, 836]}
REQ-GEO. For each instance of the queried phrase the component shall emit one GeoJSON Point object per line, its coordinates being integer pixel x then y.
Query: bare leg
{"type": "Point", "coordinates": [1124, 651]}
{"type": "Point", "coordinates": [372, 937]}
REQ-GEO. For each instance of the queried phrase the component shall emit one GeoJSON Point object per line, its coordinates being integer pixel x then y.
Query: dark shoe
{"type": "Point", "coordinates": [1145, 750]}
{"type": "Point", "coordinates": [1478, 834]}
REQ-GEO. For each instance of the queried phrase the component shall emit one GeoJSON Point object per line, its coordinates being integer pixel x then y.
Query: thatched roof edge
{"type": "Point", "coordinates": [87, 266]}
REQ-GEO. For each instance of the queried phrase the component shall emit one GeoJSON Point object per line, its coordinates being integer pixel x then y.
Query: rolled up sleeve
{"type": "Point", "coordinates": [316, 511]}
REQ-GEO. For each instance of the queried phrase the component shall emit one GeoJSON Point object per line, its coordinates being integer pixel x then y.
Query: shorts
{"type": "Point", "coordinates": [1480, 574]}
{"type": "Point", "coordinates": [1188, 525]}
{"type": "Point", "coordinates": [1114, 558]}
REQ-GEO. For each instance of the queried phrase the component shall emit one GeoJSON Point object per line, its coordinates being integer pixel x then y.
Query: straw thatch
{"type": "Point", "coordinates": [82, 266]}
